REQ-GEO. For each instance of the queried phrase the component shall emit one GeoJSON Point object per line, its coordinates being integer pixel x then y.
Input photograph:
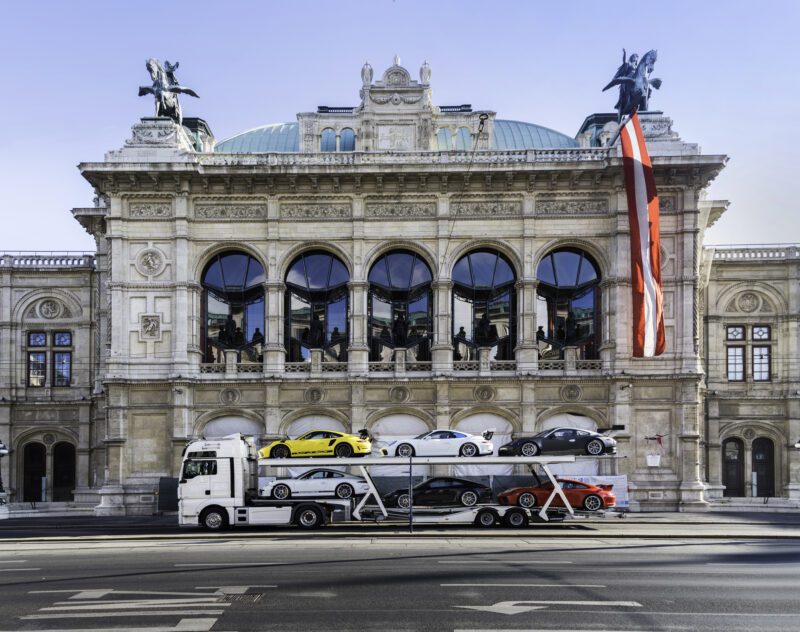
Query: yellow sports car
{"type": "Point", "coordinates": [319, 443]}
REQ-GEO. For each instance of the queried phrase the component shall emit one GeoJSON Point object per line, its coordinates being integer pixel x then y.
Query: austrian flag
{"type": "Point", "coordinates": [648, 300]}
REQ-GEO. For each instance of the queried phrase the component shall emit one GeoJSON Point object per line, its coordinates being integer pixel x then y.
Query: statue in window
{"type": "Point", "coordinates": [317, 334]}
{"type": "Point", "coordinates": [400, 331]}
{"type": "Point", "coordinates": [482, 330]}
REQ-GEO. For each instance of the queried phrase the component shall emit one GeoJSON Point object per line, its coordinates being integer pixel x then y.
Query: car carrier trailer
{"type": "Point", "coordinates": [218, 488]}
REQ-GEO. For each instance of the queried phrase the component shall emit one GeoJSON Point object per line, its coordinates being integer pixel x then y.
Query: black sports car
{"type": "Point", "coordinates": [441, 491]}
{"type": "Point", "coordinates": [562, 440]}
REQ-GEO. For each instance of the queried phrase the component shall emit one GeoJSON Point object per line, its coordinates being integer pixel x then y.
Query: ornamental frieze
{"type": "Point", "coordinates": [315, 211]}
{"type": "Point", "coordinates": [399, 210]}
{"type": "Point", "coordinates": [230, 211]}
{"type": "Point", "coordinates": [486, 208]}
{"type": "Point", "coordinates": [552, 205]}
{"type": "Point", "coordinates": [670, 203]}
{"type": "Point", "coordinates": [150, 209]}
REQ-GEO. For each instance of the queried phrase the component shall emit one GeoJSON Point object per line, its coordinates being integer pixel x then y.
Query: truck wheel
{"type": "Point", "coordinates": [308, 517]}
{"type": "Point", "coordinates": [515, 518]}
{"type": "Point", "coordinates": [527, 500]}
{"type": "Point", "coordinates": [404, 450]}
{"type": "Point", "coordinates": [486, 519]}
{"type": "Point", "coordinates": [214, 519]}
{"type": "Point", "coordinates": [281, 492]}
{"type": "Point", "coordinates": [280, 452]}
{"type": "Point", "coordinates": [343, 450]}
{"type": "Point", "coordinates": [468, 449]}
{"type": "Point", "coordinates": [344, 491]}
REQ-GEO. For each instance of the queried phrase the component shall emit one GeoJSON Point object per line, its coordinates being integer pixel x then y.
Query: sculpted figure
{"type": "Point", "coordinates": [635, 85]}
{"type": "Point", "coordinates": [366, 74]}
{"type": "Point", "coordinates": [165, 89]}
{"type": "Point", "coordinates": [425, 73]}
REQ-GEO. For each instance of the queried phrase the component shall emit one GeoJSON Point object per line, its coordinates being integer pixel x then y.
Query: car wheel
{"type": "Point", "coordinates": [486, 519]}
{"type": "Point", "coordinates": [468, 449]}
{"type": "Point", "coordinates": [529, 448]}
{"type": "Point", "coordinates": [595, 447]}
{"type": "Point", "coordinates": [404, 450]}
{"type": "Point", "coordinates": [344, 491]}
{"type": "Point", "coordinates": [469, 498]}
{"type": "Point", "coordinates": [343, 450]}
{"type": "Point", "coordinates": [592, 503]}
{"type": "Point", "coordinates": [280, 452]}
{"type": "Point", "coordinates": [515, 518]}
{"type": "Point", "coordinates": [526, 500]}
{"type": "Point", "coordinates": [214, 519]}
{"type": "Point", "coordinates": [281, 492]}
{"type": "Point", "coordinates": [308, 518]}
{"type": "Point", "coordinates": [404, 501]}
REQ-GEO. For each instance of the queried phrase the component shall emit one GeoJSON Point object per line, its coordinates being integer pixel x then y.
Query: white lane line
{"type": "Point", "coordinates": [533, 585]}
{"type": "Point", "coordinates": [789, 563]}
{"type": "Point", "coordinates": [13, 561]}
{"type": "Point", "coordinates": [504, 562]}
{"type": "Point", "coordinates": [184, 625]}
{"type": "Point", "coordinates": [234, 564]}
{"type": "Point", "coordinates": [97, 615]}
{"type": "Point", "coordinates": [85, 607]}
{"type": "Point", "coordinates": [17, 570]}
{"type": "Point", "coordinates": [527, 630]}
{"type": "Point", "coordinates": [98, 593]}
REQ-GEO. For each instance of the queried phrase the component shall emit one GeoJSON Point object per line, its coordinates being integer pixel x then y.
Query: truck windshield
{"type": "Point", "coordinates": [199, 468]}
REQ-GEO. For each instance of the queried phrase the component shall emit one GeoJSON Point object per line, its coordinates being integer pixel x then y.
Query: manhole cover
{"type": "Point", "coordinates": [242, 598]}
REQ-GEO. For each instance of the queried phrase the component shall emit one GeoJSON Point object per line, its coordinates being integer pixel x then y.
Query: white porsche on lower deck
{"type": "Point", "coordinates": [441, 443]}
{"type": "Point", "coordinates": [316, 483]}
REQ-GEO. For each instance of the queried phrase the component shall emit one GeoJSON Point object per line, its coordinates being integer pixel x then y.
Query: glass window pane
{"type": "Point", "coordinates": [297, 274]}
{"type": "Point", "coordinates": [503, 273]}
{"type": "Point", "coordinates": [347, 140]}
{"type": "Point", "coordinates": [545, 271]}
{"type": "Point", "coordinates": [37, 369]}
{"type": "Point", "coordinates": [336, 320]}
{"type": "Point", "coordinates": [735, 333]}
{"type": "Point", "coordinates": [483, 264]}
{"type": "Point", "coordinates": [588, 272]}
{"type": "Point", "coordinates": [418, 316]}
{"type": "Point", "coordinates": [462, 319]}
{"type": "Point", "coordinates": [422, 273]}
{"type": "Point", "coordinates": [213, 276]}
{"type": "Point", "coordinates": [736, 363]}
{"type": "Point", "coordinates": [499, 309]}
{"type": "Point", "coordinates": [62, 339]}
{"type": "Point", "coordinates": [37, 339]}
{"type": "Point", "coordinates": [761, 332]}
{"type": "Point", "coordinates": [400, 265]}
{"type": "Point", "coordinates": [255, 274]}
{"type": "Point", "coordinates": [318, 267]}
{"type": "Point", "coordinates": [761, 364]}
{"type": "Point", "coordinates": [254, 321]}
{"type": "Point", "coordinates": [461, 272]}
{"type": "Point", "coordinates": [378, 275]}
{"type": "Point", "coordinates": [327, 140]}
{"type": "Point", "coordinates": [443, 139]}
{"type": "Point", "coordinates": [566, 263]}
{"type": "Point", "coordinates": [62, 368]}
{"type": "Point", "coordinates": [234, 267]}
{"type": "Point", "coordinates": [463, 139]}
{"type": "Point", "coordinates": [339, 274]}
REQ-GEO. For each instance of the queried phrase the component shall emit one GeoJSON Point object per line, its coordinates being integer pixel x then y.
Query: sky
{"type": "Point", "coordinates": [72, 72]}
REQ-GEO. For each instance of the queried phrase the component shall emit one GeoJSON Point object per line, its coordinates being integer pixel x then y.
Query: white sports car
{"type": "Point", "coordinates": [318, 482]}
{"type": "Point", "coordinates": [442, 443]}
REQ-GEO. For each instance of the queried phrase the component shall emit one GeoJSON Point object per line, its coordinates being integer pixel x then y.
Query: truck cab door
{"type": "Point", "coordinates": [195, 481]}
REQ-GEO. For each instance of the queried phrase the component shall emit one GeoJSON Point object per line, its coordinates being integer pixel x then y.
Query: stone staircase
{"type": "Point", "coordinates": [758, 504]}
{"type": "Point", "coordinates": [49, 510]}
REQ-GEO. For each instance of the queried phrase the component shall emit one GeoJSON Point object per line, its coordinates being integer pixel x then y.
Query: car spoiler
{"type": "Point", "coordinates": [608, 488]}
{"type": "Point", "coordinates": [364, 434]}
{"type": "Point", "coordinates": [614, 427]}
{"type": "Point", "coordinates": [488, 434]}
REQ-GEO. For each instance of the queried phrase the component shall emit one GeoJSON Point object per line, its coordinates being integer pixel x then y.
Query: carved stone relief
{"type": "Point", "coordinates": [315, 211]}
{"type": "Point", "coordinates": [571, 393]}
{"type": "Point", "coordinates": [552, 205]}
{"type": "Point", "coordinates": [406, 209]}
{"type": "Point", "coordinates": [150, 262]}
{"type": "Point", "coordinates": [150, 327]}
{"type": "Point", "coordinates": [150, 209]}
{"type": "Point", "coordinates": [230, 396]}
{"type": "Point", "coordinates": [50, 308]}
{"type": "Point", "coordinates": [748, 302]}
{"type": "Point", "coordinates": [314, 395]}
{"type": "Point", "coordinates": [230, 211]}
{"type": "Point", "coordinates": [485, 393]}
{"type": "Point", "coordinates": [486, 208]}
{"type": "Point", "coordinates": [399, 394]}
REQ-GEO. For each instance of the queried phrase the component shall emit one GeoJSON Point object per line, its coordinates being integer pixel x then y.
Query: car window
{"type": "Point", "coordinates": [199, 468]}
{"type": "Point", "coordinates": [455, 483]}
{"type": "Point", "coordinates": [583, 433]}
{"type": "Point", "coordinates": [335, 475]}
{"type": "Point", "coordinates": [564, 433]}
{"type": "Point", "coordinates": [439, 484]}
{"type": "Point", "coordinates": [313, 435]}
{"type": "Point", "coordinates": [422, 436]}
{"type": "Point", "coordinates": [440, 434]}
{"type": "Point", "coordinates": [317, 475]}
{"type": "Point", "coordinates": [458, 435]}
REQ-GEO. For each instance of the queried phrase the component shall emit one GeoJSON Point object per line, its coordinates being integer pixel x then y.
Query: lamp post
{"type": "Point", "coordinates": [3, 452]}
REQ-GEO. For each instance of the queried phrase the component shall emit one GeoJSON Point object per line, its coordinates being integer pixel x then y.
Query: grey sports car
{"type": "Point", "coordinates": [562, 441]}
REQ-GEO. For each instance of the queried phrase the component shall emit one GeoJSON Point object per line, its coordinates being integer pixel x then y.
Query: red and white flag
{"type": "Point", "coordinates": [648, 299]}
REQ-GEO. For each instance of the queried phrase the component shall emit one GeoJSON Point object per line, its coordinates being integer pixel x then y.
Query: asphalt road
{"type": "Point", "coordinates": [371, 583]}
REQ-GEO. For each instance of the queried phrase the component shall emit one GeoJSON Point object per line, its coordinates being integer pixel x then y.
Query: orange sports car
{"type": "Point", "coordinates": [580, 495]}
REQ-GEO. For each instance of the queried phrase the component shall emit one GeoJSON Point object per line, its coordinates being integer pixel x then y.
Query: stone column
{"type": "Point", "coordinates": [442, 350]}
{"type": "Point", "coordinates": [358, 351]}
{"type": "Point", "coordinates": [274, 350]}
{"type": "Point", "coordinates": [610, 295]}
{"type": "Point", "coordinates": [526, 352]}
{"type": "Point", "coordinates": [792, 489]}
{"type": "Point", "coordinates": [714, 486]}
{"type": "Point", "coordinates": [691, 485]}
{"type": "Point", "coordinates": [484, 361]}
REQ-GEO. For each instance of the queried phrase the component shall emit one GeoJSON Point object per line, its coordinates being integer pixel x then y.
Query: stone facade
{"type": "Point", "coordinates": [167, 207]}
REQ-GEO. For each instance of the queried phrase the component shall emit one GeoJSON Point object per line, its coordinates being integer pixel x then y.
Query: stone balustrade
{"type": "Point", "coordinates": [757, 252]}
{"type": "Point", "coordinates": [49, 260]}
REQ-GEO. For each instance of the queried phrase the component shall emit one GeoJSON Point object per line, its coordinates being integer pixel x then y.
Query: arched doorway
{"type": "Point", "coordinates": [733, 467]}
{"type": "Point", "coordinates": [34, 469]}
{"type": "Point", "coordinates": [763, 467]}
{"type": "Point", "coordinates": [232, 424]}
{"type": "Point", "coordinates": [63, 471]}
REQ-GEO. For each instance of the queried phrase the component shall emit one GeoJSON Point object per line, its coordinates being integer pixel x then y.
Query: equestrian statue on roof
{"type": "Point", "coordinates": [166, 89]}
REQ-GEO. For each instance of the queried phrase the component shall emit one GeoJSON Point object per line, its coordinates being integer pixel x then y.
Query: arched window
{"type": "Point", "coordinates": [233, 307]}
{"type": "Point", "coordinates": [484, 306]}
{"type": "Point", "coordinates": [400, 306]}
{"type": "Point", "coordinates": [327, 140]}
{"type": "Point", "coordinates": [317, 307]}
{"type": "Point", "coordinates": [347, 140]}
{"type": "Point", "coordinates": [568, 304]}
{"type": "Point", "coordinates": [463, 139]}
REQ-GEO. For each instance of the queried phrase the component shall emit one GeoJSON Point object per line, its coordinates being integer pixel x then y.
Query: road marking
{"type": "Point", "coordinates": [235, 564]}
{"type": "Point", "coordinates": [184, 625]}
{"type": "Point", "coordinates": [534, 585]}
{"type": "Point", "coordinates": [97, 615]}
{"type": "Point", "coordinates": [97, 593]}
{"type": "Point", "coordinates": [123, 605]}
{"type": "Point", "coordinates": [16, 570]}
{"type": "Point", "coordinates": [231, 590]}
{"type": "Point", "coordinates": [504, 562]}
{"type": "Point", "coordinates": [517, 607]}
{"type": "Point", "coordinates": [13, 561]}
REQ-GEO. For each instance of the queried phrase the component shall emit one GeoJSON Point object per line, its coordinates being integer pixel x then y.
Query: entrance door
{"type": "Point", "coordinates": [764, 467]}
{"type": "Point", "coordinates": [63, 471]}
{"type": "Point", "coordinates": [34, 468]}
{"type": "Point", "coordinates": [733, 467]}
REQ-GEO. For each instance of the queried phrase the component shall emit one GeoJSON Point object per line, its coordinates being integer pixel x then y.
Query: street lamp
{"type": "Point", "coordinates": [3, 452]}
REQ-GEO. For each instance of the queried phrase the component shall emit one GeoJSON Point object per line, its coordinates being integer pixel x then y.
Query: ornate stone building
{"type": "Point", "coordinates": [394, 265]}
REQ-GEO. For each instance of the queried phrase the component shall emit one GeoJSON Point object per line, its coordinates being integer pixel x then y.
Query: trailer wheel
{"type": "Point", "coordinates": [344, 491]}
{"type": "Point", "coordinates": [468, 449]}
{"type": "Point", "coordinates": [343, 450]}
{"type": "Point", "coordinates": [280, 452]}
{"type": "Point", "coordinates": [515, 518]}
{"type": "Point", "coordinates": [404, 450]}
{"type": "Point", "coordinates": [281, 492]}
{"type": "Point", "coordinates": [308, 517]}
{"type": "Point", "coordinates": [214, 519]}
{"type": "Point", "coordinates": [486, 519]}
{"type": "Point", "coordinates": [592, 502]}
{"type": "Point", "coordinates": [527, 500]}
